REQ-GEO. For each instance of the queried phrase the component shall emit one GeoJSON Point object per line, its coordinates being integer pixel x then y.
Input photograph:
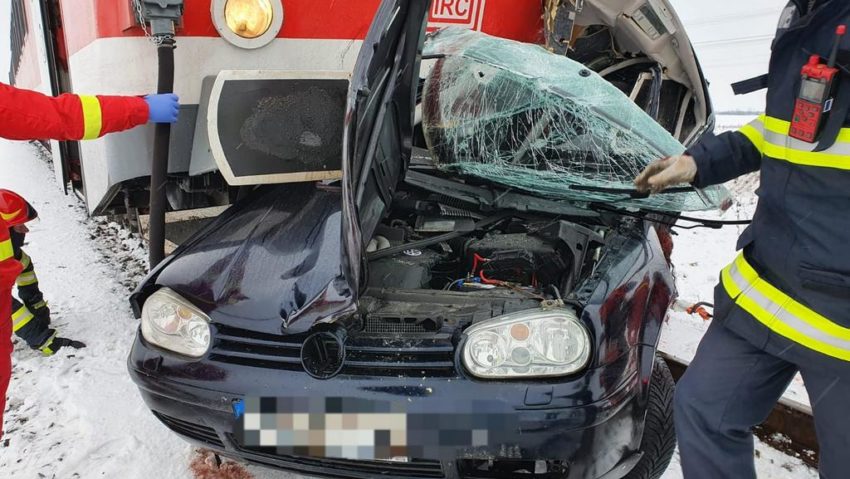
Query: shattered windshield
{"type": "Point", "coordinates": [517, 115]}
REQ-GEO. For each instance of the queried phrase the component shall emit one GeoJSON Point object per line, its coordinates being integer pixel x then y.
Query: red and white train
{"type": "Point", "coordinates": [98, 47]}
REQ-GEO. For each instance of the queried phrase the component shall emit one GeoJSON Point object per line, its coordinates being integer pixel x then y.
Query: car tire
{"type": "Point", "coordinates": [659, 436]}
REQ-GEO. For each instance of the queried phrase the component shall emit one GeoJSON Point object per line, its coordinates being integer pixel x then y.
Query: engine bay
{"type": "Point", "coordinates": [433, 242]}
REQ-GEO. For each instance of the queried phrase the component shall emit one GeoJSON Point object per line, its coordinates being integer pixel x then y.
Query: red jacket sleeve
{"type": "Point", "coordinates": [29, 115]}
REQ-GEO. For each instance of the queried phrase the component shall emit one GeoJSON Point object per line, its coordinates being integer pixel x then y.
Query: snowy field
{"type": "Point", "coordinates": [78, 415]}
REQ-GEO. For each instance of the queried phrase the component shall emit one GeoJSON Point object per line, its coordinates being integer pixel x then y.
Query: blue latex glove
{"type": "Point", "coordinates": [164, 108]}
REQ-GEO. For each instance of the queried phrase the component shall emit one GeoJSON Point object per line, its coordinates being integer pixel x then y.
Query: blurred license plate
{"type": "Point", "coordinates": [357, 429]}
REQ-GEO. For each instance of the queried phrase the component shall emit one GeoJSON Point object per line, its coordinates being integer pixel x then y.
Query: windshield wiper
{"type": "Point", "coordinates": [632, 192]}
{"type": "Point", "coordinates": [668, 219]}
{"type": "Point", "coordinates": [493, 198]}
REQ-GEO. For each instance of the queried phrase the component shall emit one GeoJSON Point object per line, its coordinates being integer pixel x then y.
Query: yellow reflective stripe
{"type": "Point", "coordinates": [770, 320]}
{"type": "Point", "coordinates": [7, 251]}
{"type": "Point", "coordinates": [775, 125]}
{"type": "Point", "coordinates": [21, 318]}
{"type": "Point", "coordinates": [754, 132]}
{"type": "Point", "coordinates": [40, 304]}
{"type": "Point", "coordinates": [782, 313]}
{"type": "Point", "coordinates": [809, 316]}
{"type": "Point", "coordinates": [45, 347]}
{"type": "Point", "coordinates": [756, 137]}
{"type": "Point", "coordinates": [9, 216]}
{"type": "Point", "coordinates": [747, 272]}
{"type": "Point", "coordinates": [732, 288]}
{"type": "Point", "coordinates": [779, 146]}
{"type": "Point", "coordinates": [806, 158]}
{"type": "Point", "coordinates": [92, 117]}
{"type": "Point", "coordinates": [27, 279]}
{"type": "Point", "coordinates": [25, 260]}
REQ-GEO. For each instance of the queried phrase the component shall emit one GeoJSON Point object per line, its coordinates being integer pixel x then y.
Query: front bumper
{"type": "Point", "coordinates": [564, 437]}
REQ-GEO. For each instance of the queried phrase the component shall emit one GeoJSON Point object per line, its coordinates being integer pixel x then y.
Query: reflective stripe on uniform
{"type": "Point", "coordinates": [21, 318]}
{"type": "Point", "coordinates": [782, 313]}
{"type": "Point", "coordinates": [92, 117]}
{"type": "Point", "coordinates": [45, 347]}
{"type": "Point", "coordinates": [25, 260]}
{"type": "Point", "coordinates": [754, 131]}
{"type": "Point", "coordinates": [770, 136]}
{"type": "Point", "coordinates": [7, 251]}
{"type": "Point", "coordinates": [27, 279]}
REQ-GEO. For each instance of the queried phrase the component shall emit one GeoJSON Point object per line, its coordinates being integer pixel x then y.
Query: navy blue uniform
{"type": "Point", "coordinates": [784, 305]}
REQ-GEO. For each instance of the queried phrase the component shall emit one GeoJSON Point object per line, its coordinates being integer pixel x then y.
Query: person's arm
{"type": "Point", "coordinates": [26, 115]}
{"type": "Point", "coordinates": [713, 160]}
{"type": "Point", "coordinates": [729, 155]}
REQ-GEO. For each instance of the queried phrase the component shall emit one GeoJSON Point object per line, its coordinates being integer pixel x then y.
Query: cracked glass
{"type": "Point", "coordinates": [519, 116]}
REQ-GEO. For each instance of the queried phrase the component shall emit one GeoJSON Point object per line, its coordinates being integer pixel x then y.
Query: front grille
{"type": "Point", "coordinates": [204, 434]}
{"type": "Point", "coordinates": [249, 348]}
{"type": "Point", "coordinates": [414, 468]}
{"type": "Point", "coordinates": [399, 325]}
{"type": "Point", "coordinates": [415, 356]}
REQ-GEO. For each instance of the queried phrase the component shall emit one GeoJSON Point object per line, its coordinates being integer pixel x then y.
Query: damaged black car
{"type": "Point", "coordinates": [483, 259]}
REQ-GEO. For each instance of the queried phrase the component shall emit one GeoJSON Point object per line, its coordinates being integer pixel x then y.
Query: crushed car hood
{"type": "Point", "coordinates": [290, 255]}
{"type": "Point", "coordinates": [275, 256]}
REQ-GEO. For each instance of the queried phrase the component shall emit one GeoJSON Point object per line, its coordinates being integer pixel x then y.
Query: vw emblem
{"type": "Point", "coordinates": [323, 354]}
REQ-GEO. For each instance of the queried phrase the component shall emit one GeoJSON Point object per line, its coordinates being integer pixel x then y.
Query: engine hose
{"type": "Point", "coordinates": [159, 167]}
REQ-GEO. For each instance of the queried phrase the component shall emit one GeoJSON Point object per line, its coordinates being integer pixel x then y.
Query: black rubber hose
{"type": "Point", "coordinates": [159, 168]}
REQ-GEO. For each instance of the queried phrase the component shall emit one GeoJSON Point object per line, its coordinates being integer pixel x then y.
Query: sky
{"type": "Point", "coordinates": [731, 37]}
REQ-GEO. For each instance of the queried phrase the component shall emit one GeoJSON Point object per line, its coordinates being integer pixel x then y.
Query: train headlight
{"type": "Point", "coordinates": [248, 23]}
{"type": "Point", "coordinates": [248, 18]}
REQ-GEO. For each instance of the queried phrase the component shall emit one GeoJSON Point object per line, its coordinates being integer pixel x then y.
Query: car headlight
{"type": "Point", "coordinates": [247, 23]}
{"type": "Point", "coordinates": [172, 323]}
{"type": "Point", "coordinates": [537, 343]}
{"type": "Point", "coordinates": [248, 18]}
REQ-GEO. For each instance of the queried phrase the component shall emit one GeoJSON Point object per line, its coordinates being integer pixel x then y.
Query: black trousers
{"type": "Point", "coordinates": [732, 386]}
{"type": "Point", "coordinates": [30, 315]}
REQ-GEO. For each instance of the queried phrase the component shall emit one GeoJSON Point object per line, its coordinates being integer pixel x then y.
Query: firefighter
{"type": "Point", "coordinates": [30, 314]}
{"type": "Point", "coordinates": [783, 305]}
{"type": "Point", "coordinates": [28, 115]}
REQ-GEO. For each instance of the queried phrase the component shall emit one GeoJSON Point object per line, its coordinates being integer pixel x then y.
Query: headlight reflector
{"type": "Point", "coordinates": [172, 323]}
{"type": "Point", "coordinates": [248, 18]}
{"type": "Point", "coordinates": [537, 343]}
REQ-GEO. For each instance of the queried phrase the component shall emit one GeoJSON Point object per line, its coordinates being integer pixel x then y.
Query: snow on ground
{"type": "Point", "coordinates": [78, 415]}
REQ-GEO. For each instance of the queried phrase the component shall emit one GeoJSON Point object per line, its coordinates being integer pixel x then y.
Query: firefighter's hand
{"type": "Point", "coordinates": [163, 108]}
{"type": "Point", "coordinates": [59, 343]}
{"type": "Point", "coordinates": [662, 174]}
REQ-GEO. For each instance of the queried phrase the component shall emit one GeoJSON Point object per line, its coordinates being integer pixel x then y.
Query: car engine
{"type": "Point", "coordinates": [533, 255]}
